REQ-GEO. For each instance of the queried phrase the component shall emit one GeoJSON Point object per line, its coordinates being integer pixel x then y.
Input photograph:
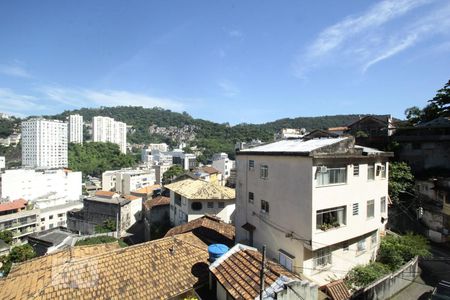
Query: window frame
{"type": "Point", "coordinates": [196, 203]}
{"type": "Point", "coordinates": [221, 204]}
{"type": "Point", "coordinates": [370, 172]}
{"type": "Point", "coordinates": [361, 246]}
{"type": "Point", "coordinates": [323, 258]}
{"type": "Point", "coordinates": [322, 212]}
{"type": "Point", "coordinates": [251, 197]}
{"type": "Point", "coordinates": [251, 165]}
{"type": "Point", "coordinates": [210, 204]}
{"type": "Point", "coordinates": [321, 180]}
{"type": "Point", "coordinates": [264, 171]}
{"type": "Point", "coordinates": [370, 203]}
{"type": "Point", "coordinates": [383, 207]}
{"type": "Point", "coordinates": [286, 260]}
{"type": "Point", "coordinates": [265, 207]}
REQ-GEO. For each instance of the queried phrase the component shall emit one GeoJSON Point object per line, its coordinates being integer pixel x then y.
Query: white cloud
{"type": "Point", "coordinates": [15, 71]}
{"type": "Point", "coordinates": [236, 33]}
{"type": "Point", "coordinates": [228, 88]}
{"type": "Point", "coordinates": [16, 104]}
{"type": "Point", "coordinates": [90, 98]}
{"type": "Point", "coordinates": [366, 39]}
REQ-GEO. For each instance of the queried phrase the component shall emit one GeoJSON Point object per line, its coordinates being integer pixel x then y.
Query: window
{"type": "Point", "coordinates": [251, 164]}
{"type": "Point", "coordinates": [264, 171]}
{"type": "Point", "coordinates": [383, 171]}
{"type": "Point", "coordinates": [286, 260]}
{"type": "Point", "coordinates": [361, 245]}
{"type": "Point", "coordinates": [42, 228]}
{"type": "Point", "coordinates": [328, 176]}
{"type": "Point", "coordinates": [221, 204]}
{"type": "Point", "coordinates": [251, 197]}
{"type": "Point", "coordinates": [50, 217]}
{"type": "Point", "coordinates": [51, 226]}
{"type": "Point", "coordinates": [355, 209]}
{"type": "Point", "coordinates": [371, 172]}
{"type": "Point", "coordinates": [370, 209]}
{"type": "Point", "coordinates": [177, 198]}
{"type": "Point", "coordinates": [355, 170]}
{"type": "Point", "coordinates": [264, 206]}
{"type": "Point", "coordinates": [210, 204]}
{"type": "Point", "coordinates": [373, 240]}
{"type": "Point", "coordinates": [383, 205]}
{"type": "Point", "coordinates": [329, 218]}
{"type": "Point", "coordinates": [60, 215]}
{"type": "Point", "coordinates": [42, 219]}
{"type": "Point", "coordinates": [196, 206]}
{"type": "Point", "coordinates": [322, 257]}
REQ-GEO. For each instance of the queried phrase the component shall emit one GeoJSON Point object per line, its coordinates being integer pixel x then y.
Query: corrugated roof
{"type": "Point", "coordinates": [299, 146]}
{"type": "Point", "coordinates": [13, 205]}
{"type": "Point", "coordinates": [201, 190]}
{"type": "Point", "coordinates": [159, 269]}
{"type": "Point", "coordinates": [207, 228]}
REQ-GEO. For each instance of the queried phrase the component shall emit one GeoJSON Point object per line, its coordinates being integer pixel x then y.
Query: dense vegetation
{"type": "Point", "coordinates": [17, 254]}
{"type": "Point", "coordinates": [172, 172]}
{"type": "Point", "coordinates": [95, 158]}
{"type": "Point", "coordinates": [401, 180]}
{"type": "Point", "coordinates": [100, 240]}
{"type": "Point", "coordinates": [394, 252]}
{"type": "Point", "coordinates": [7, 126]}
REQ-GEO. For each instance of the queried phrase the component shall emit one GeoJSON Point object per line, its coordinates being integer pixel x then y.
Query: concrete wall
{"type": "Point", "coordinates": [391, 284]}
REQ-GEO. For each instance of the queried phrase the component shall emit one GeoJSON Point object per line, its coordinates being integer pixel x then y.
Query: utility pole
{"type": "Point", "coordinates": [261, 275]}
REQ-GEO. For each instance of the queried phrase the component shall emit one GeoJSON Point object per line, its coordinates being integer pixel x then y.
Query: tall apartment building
{"type": "Point", "coordinates": [44, 143]}
{"type": "Point", "coordinates": [105, 129]}
{"type": "Point", "coordinates": [32, 185]}
{"type": "Point", "coordinates": [76, 129]}
{"type": "Point", "coordinates": [319, 205]}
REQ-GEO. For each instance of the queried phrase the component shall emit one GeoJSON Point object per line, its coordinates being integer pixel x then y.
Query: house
{"type": "Point", "coordinates": [105, 206]}
{"type": "Point", "coordinates": [373, 130]}
{"type": "Point", "coordinates": [21, 222]}
{"type": "Point", "coordinates": [319, 205]}
{"type": "Point", "coordinates": [224, 165]}
{"type": "Point", "coordinates": [236, 275]}
{"type": "Point", "coordinates": [210, 229]}
{"type": "Point", "coordinates": [426, 145]}
{"type": "Point", "coordinates": [55, 216]}
{"type": "Point", "coordinates": [126, 181]}
{"type": "Point", "coordinates": [168, 268]}
{"type": "Point", "coordinates": [190, 199]}
{"type": "Point", "coordinates": [50, 240]}
{"type": "Point", "coordinates": [156, 213]}
{"type": "Point", "coordinates": [208, 173]}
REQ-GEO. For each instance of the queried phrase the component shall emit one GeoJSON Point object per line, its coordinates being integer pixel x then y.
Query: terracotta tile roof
{"type": "Point", "coordinates": [104, 194]}
{"type": "Point", "coordinates": [201, 190]}
{"type": "Point", "coordinates": [238, 272]}
{"type": "Point", "coordinates": [159, 269]}
{"type": "Point", "coordinates": [337, 290]}
{"type": "Point", "coordinates": [209, 229]}
{"type": "Point", "coordinates": [158, 201]}
{"type": "Point", "coordinates": [13, 205]}
{"type": "Point", "coordinates": [148, 189]}
{"type": "Point", "coordinates": [337, 128]}
{"type": "Point", "coordinates": [210, 170]}
{"type": "Point", "coordinates": [131, 197]}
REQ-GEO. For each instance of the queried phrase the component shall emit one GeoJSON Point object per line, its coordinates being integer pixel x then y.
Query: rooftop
{"type": "Point", "coordinates": [159, 269]}
{"type": "Point", "coordinates": [209, 170]}
{"type": "Point", "coordinates": [158, 201]}
{"type": "Point", "coordinates": [54, 236]}
{"type": "Point", "coordinates": [148, 189]}
{"type": "Point", "coordinates": [13, 205]}
{"type": "Point", "coordinates": [105, 194]}
{"type": "Point", "coordinates": [208, 229]}
{"type": "Point", "coordinates": [202, 190]}
{"type": "Point", "coordinates": [298, 146]}
{"type": "Point", "coordinates": [62, 206]}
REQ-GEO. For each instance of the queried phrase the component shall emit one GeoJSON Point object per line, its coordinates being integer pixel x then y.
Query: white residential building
{"type": "Point", "coordinates": [2, 162]}
{"type": "Point", "coordinates": [32, 184]}
{"type": "Point", "coordinates": [105, 129]}
{"type": "Point", "coordinates": [191, 199]}
{"type": "Point", "coordinates": [44, 143]}
{"type": "Point", "coordinates": [223, 164]}
{"type": "Point", "coordinates": [319, 205]}
{"type": "Point", "coordinates": [76, 129]}
{"type": "Point", "coordinates": [126, 181]}
{"type": "Point", "coordinates": [186, 160]}
{"type": "Point", "coordinates": [56, 216]}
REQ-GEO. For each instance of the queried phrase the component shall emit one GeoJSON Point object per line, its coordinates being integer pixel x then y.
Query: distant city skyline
{"type": "Point", "coordinates": [226, 61]}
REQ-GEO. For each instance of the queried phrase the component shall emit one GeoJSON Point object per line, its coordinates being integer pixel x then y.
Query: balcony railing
{"type": "Point", "coordinates": [323, 261]}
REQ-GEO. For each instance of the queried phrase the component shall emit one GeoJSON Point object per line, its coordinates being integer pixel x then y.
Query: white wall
{"type": "Point", "coordinates": [56, 216]}
{"type": "Point", "coordinates": [31, 184]}
{"type": "Point", "coordinates": [76, 129]}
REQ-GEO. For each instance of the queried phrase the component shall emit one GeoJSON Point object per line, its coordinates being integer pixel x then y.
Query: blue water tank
{"type": "Point", "coordinates": [216, 250]}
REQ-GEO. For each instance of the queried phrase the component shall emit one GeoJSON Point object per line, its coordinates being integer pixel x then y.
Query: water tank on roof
{"type": "Point", "coordinates": [216, 250]}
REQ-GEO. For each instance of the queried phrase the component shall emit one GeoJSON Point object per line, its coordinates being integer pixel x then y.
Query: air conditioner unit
{"type": "Point", "coordinates": [323, 169]}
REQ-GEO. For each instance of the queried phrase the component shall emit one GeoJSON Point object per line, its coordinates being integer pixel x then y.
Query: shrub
{"type": "Point", "coordinates": [361, 276]}
{"type": "Point", "coordinates": [100, 240]}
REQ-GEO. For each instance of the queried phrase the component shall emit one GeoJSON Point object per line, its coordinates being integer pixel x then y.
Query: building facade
{"type": "Point", "coordinates": [44, 143]}
{"type": "Point", "coordinates": [76, 129]}
{"type": "Point", "coordinates": [319, 205]}
{"type": "Point", "coordinates": [56, 216]}
{"type": "Point", "coordinates": [33, 184]}
{"type": "Point", "coordinates": [126, 181]}
{"type": "Point", "coordinates": [105, 129]}
{"type": "Point", "coordinates": [224, 165]}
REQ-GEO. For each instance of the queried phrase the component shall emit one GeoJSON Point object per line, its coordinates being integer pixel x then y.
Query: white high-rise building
{"type": "Point", "coordinates": [105, 129]}
{"type": "Point", "coordinates": [76, 129]}
{"type": "Point", "coordinates": [44, 143]}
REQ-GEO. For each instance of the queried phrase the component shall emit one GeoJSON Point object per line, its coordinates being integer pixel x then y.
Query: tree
{"type": "Point", "coordinates": [172, 172]}
{"type": "Point", "coordinates": [442, 100]}
{"type": "Point", "coordinates": [21, 253]}
{"type": "Point", "coordinates": [400, 180]}
{"type": "Point", "coordinates": [109, 225]}
{"type": "Point", "coordinates": [361, 276]}
{"type": "Point", "coordinates": [6, 236]}
{"type": "Point", "coordinates": [413, 115]}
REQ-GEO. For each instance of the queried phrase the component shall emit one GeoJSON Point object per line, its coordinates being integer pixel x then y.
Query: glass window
{"type": "Point", "coordinates": [251, 197]}
{"type": "Point", "coordinates": [329, 218]}
{"type": "Point", "coordinates": [210, 204]}
{"type": "Point", "coordinates": [251, 164]}
{"type": "Point", "coordinates": [196, 206]}
{"type": "Point", "coordinates": [383, 205]}
{"type": "Point", "coordinates": [177, 199]}
{"type": "Point", "coordinates": [362, 245]}
{"type": "Point", "coordinates": [264, 172]}
{"type": "Point", "coordinates": [50, 217]}
{"type": "Point", "coordinates": [371, 172]}
{"type": "Point", "coordinates": [326, 176]}
{"type": "Point", "coordinates": [264, 206]}
{"type": "Point", "coordinates": [42, 219]}
{"type": "Point", "coordinates": [285, 260]}
{"type": "Point", "coordinates": [221, 204]}
{"type": "Point", "coordinates": [322, 257]}
{"type": "Point", "coordinates": [383, 171]}
{"type": "Point", "coordinates": [60, 215]}
{"type": "Point", "coordinates": [355, 170]}
{"type": "Point", "coordinates": [370, 208]}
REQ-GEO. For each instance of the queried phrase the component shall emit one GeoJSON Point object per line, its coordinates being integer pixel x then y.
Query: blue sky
{"type": "Point", "coordinates": [226, 61]}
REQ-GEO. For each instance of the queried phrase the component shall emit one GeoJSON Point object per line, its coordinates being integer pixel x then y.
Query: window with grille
{"type": "Point", "coordinates": [286, 260]}
{"type": "Point", "coordinates": [355, 170]}
{"type": "Point", "coordinates": [355, 209]}
{"type": "Point", "coordinates": [264, 171]}
{"type": "Point", "coordinates": [361, 245]}
{"type": "Point", "coordinates": [251, 164]}
{"type": "Point", "coordinates": [251, 197]}
{"type": "Point", "coordinates": [371, 172]}
{"type": "Point", "coordinates": [322, 258]}
{"type": "Point", "coordinates": [332, 217]}
{"type": "Point", "coordinates": [264, 206]}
